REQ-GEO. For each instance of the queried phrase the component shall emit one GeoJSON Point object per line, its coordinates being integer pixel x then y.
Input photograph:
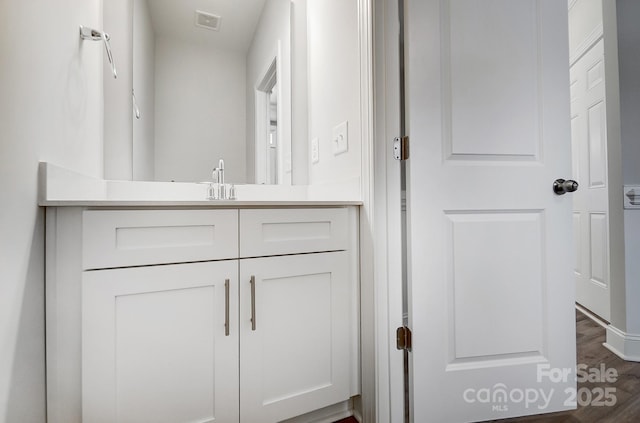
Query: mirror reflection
{"type": "Point", "coordinates": [212, 80]}
{"type": "Point", "coordinates": [272, 87]}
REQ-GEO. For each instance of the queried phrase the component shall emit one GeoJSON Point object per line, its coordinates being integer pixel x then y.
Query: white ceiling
{"type": "Point", "coordinates": [176, 19]}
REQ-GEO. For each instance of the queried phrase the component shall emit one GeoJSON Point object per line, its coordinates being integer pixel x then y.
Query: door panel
{"type": "Point", "coordinates": [476, 273]}
{"type": "Point", "coordinates": [597, 145]}
{"type": "Point", "coordinates": [302, 315]}
{"type": "Point", "coordinates": [589, 151]}
{"type": "Point", "coordinates": [490, 291]}
{"type": "Point", "coordinates": [577, 242]}
{"type": "Point", "coordinates": [598, 254]}
{"type": "Point", "coordinates": [154, 344]}
{"type": "Point", "coordinates": [470, 104]}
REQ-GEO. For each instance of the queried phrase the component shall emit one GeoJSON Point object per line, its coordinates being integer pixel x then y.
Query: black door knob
{"type": "Point", "coordinates": [561, 187]}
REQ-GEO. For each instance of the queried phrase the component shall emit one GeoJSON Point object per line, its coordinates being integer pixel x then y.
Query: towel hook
{"type": "Point", "coordinates": [95, 35]}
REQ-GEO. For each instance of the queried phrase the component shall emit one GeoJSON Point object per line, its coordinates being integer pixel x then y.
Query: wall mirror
{"type": "Point", "coordinates": [258, 83]}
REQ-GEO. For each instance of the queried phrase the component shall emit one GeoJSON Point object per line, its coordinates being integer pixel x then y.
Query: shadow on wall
{"type": "Point", "coordinates": [27, 392]}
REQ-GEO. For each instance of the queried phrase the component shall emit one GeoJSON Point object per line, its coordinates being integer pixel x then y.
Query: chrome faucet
{"type": "Point", "coordinates": [221, 171]}
{"type": "Point", "coordinates": [218, 173]}
{"type": "Point", "coordinates": [218, 189]}
{"type": "Point", "coordinates": [223, 188]}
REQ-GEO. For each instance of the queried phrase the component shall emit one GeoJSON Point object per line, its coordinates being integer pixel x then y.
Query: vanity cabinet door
{"type": "Point", "coordinates": [155, 348]}
{"type": "Point", "coordinates": [295, 353]}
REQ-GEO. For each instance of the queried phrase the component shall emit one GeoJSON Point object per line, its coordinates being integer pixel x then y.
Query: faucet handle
{"type": "Point", "coordinates": [221, 171]}
{"type": "Point", "coordinates": [215, 175]}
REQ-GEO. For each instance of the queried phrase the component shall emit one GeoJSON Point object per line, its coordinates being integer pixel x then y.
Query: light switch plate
{"type": "Point", "coordinates": [631, 197]}
{"type": "Point", "coordinates": [315, 150]}
{"type": "Point", "coordinates": [340, 140]}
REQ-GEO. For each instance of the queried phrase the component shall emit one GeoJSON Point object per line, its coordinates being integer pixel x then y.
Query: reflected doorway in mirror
{"type": "Point", "coordinates": [268, 112]}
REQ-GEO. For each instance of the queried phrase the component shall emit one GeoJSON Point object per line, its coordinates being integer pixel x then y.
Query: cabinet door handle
{"type": "Point", "coordinates": [253, 302]}
{"type": "Point", "coordinates": [226, 307]}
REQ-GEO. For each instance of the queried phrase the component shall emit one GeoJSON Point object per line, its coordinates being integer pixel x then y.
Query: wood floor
{"type": "Point", "coordinates": [590, 337]}
{"type": "Point", "coordinates": [590, 351]}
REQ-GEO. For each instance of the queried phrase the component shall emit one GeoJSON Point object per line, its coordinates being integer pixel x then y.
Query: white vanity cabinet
{"type": "Point", "coordinates": [155, 346]}
{"type": "Point", "coordinates": [294, 345]}
{"type": "Point", "coordinates": [203, 315]}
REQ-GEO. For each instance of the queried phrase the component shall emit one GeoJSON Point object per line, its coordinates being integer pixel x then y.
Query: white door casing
{"type": "Point", "coordinates": [490, 245]}
{"type": "Point", "coordinates": [591, 202]}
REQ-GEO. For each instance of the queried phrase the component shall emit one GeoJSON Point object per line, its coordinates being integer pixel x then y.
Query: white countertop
{"type": "Point", "coordinates": [60, 187]}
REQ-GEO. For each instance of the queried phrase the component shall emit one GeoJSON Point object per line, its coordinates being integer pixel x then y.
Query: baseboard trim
{"type": "Point", "coordinates": [624, 345]}
{"type": "Point", "coordinates": [597, 319]}
{"type": "Point", "coordinates": [329, 414]}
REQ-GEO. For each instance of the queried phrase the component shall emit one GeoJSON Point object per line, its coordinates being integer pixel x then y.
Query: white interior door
{"type": "Point", "coordinates": [590, 205]}
{"type": "Point", "coordinates": [491, 290]}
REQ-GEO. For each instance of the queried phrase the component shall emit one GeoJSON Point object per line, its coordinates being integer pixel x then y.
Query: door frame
{"type": "Point", "coordinates": [271, 76]}
{"type": "Point", "coordinates": [381, 229]}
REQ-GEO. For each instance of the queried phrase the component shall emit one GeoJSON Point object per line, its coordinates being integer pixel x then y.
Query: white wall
{"type": "Point", "coordinates": [118, 129]}
{"type": "Point", "coordinates": [334, 86]}
{"type": "Point", "coordinates": [628, 14]}
{"type": "Point", "coordinates": [199, 112]}
{"type": "Point", "coordinates": [50, 109]}
{"type": "Point", "coordinates": [299, 94]}
{"type": "Point", "coordinates": [274, 26]}
{"type": "Point", "coordinates": [629, 64]}
{"type": "Point", "coordinates": [144, 85]}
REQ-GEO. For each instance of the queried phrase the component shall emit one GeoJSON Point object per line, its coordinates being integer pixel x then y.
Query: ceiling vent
{"type": "Point", "coordinates": [207, 20]}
